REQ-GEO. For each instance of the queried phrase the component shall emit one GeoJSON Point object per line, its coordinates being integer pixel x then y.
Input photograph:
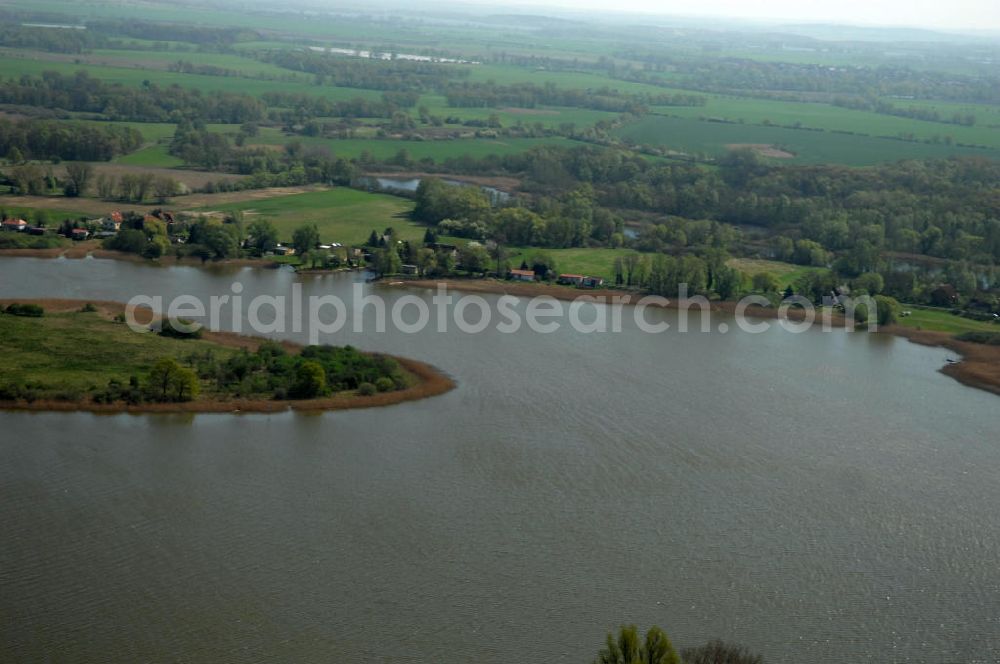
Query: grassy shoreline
{"type": "Point", "coordinates": [426, 380]}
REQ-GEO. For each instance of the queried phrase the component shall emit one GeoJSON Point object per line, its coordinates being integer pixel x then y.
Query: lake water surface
{"type": "Point", "coordinates": [818, 497]}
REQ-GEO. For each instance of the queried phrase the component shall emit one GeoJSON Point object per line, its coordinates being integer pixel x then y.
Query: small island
{"type": "Point", "coordinates": [75, 355]}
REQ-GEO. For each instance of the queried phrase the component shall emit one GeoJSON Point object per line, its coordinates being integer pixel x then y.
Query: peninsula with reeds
{"type": "Point", "coordinates": [74, 355]}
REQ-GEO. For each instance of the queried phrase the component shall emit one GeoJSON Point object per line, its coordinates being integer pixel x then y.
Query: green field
{"type": "Point", "coordinates": [342, 215]}
{"type": "Point", "coordinates": [75, 352]}
{"type": "Point", "coordinates": [826, 116]}
{"type": "Point", "coordinates": [548, 116]}
{"type": "Point", "coordinates": [786, 273]}
{"type": "Point", "coordinates": [14, 67]}
{"type": "Point", "coordinates": [944, 321]}
{"type": "Point", "coordinates": [161, 59]}
{"type": "Point", "coordinates": [596, 262]}
{"type": "Point", "coordinates": [437, 150]}
{"type": "Point", "coordinates": [810, 147]}
{"type": "Point", "coordinates": [511, 74]}
{"type": "Point", "coordinates": [153, 156]}
{"type": "Point", "coordinates": [32, 215]}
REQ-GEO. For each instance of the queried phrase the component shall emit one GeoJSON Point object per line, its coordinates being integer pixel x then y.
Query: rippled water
{"type": "Point", "coordinates": [819, 497]}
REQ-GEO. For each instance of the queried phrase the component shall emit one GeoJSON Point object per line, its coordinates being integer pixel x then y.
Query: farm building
{"type": "Point", "coordinates": [522, 275]}
{"type": "Point", "coordinates": [571, 279]}
{"type": "Point", "coordinates": [112, 222]}
{"type": "Point", "coordinates": [16, 225]}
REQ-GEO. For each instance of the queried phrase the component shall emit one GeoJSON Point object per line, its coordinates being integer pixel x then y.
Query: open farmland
{"type": "Point", "coordinates": [810, 147]}
{"type": "Point", "coordinates": [342, 215]}
{"type": "Point", "coordinates": [436, 150]}
{"type": "Point", "coordinates": [834, 118]}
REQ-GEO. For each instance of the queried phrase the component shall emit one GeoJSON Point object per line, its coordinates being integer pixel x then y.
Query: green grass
{"type": "Point", "coordinates": [828, 117]}
{"type": "Point", "coordinates": [811, 147]}
{"type": "Point", "coordinates": [75, 351]}
{"type": "Point", "coordinates": [437, 150]}
{"type": "Point", "coordinates": [153, 156]}
{"type": "Point", "coordinates": [944, 321]}
{"type": "Point", "coordinates": [52, 217]}
{"type": "Point", "coordinates": [593, 262]}
{"type": "Point", "coordinates": [245, 66]}
{"type": "Point", "coordinates": [342, 215]}
{"type": "Point", "coordinates": [511, 74]}
{"type": "Point", "coordinates": [786, 273]}
{"type": "Point", "coordinates": [548, 116]}
{"type": "Point", "coordinates": [14, 67]}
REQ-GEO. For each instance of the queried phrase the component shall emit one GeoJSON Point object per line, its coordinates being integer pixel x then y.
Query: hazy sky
{"type": "Point", "coordinates": [975, 14]}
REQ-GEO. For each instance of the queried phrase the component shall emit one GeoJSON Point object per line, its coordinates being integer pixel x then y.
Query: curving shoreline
{"type": "Point", "coordinates": [979, 367]}
{"type": "Point", "coordinates": [430, 381]}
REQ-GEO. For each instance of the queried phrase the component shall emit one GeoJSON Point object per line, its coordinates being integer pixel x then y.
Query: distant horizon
{"type": "Point", "coordinates": [975, 16]}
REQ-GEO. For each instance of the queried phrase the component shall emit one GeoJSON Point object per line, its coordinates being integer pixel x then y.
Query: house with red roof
{"type": "Point", "coordinates": [522, 275]}
{"type": "Point", "coordinates": [112, 222]}
{"type": "Point", "coordinates": [571, 279]}
{"type": "Point", "coordinates": [16, 225]}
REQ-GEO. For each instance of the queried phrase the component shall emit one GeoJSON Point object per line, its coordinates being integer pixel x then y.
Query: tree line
{"type": "Point", "coordinates": [22, 140]}
{"type": "Point", "coordinates": [83, 93]}
{"type": "Point", "coordinates": [529, 95]}
{"type": "Point", "coordinates": [370, 74]}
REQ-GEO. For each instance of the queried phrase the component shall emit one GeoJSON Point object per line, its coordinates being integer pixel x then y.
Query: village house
{"type": "Point", "coordinates": [571, 279]}
{"type": "Point", "coordinates": [447, 248]}
{"type": "Point", "coordinates": [16, 225]}
{"type": "Point", "coordinates": [112, 222]}
{"type": "Point", "coordinates": [580, 281]}
{"type": "Point", "coordinates": [79, 234]}
{"type": "Point", "coordinates": [522, 275]}
{"type": "Point", "coordinates": [282, 250]}
{"type": "Point", "coordinates": [408, 269]}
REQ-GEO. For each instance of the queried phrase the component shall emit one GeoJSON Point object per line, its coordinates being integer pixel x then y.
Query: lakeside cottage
{"type": "Point", "coordinates": [15, 225]}
{"type": "Point", "coordinates": [112, 222]}
{"type": "Point", "coordinates": [580, 281]}
{"type": "Point", "coordinates": [79, 234]}
{"type": "Point", "coordinates": [571, 279]}
{"type": "Point", "coordinates": [522, 275]}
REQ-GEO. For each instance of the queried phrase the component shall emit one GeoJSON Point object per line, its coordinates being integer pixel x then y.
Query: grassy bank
{"type": "Point", "coordinates": [70, 357]}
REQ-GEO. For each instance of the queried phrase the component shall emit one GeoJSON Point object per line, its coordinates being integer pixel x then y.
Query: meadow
{"type": "Point", "coordinates": [75, 351]}
{"type": "Point", "coordinates": [829, 117]}
{"type": "Point", "coordinates": [786, 273]}
{"type": "Point", "coordinates": [29, 63]}
{"type": "Point", "coordinates": [809, 147]}
{"type": "Point", "coordinates": [436, 150]}
{"type": "Point", "coordinates": [341, 215]}
{"type": "Point", "coordinates": [593, 262]}
{"type": "Point", "coordinates": [939, 320]}
{"type": "Point", "coordinates": [155, 156]}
